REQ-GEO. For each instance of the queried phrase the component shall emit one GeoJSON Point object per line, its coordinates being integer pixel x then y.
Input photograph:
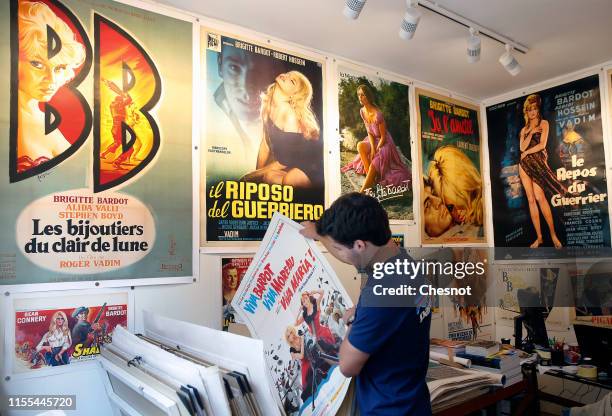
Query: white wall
{"type": "Point", "coordinates": [200, 302]}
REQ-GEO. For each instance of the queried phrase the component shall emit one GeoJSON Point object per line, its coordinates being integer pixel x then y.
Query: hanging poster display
{"type": "Point", "coordinates": [547, 285]}
{"type": "Point", "coordinates": [375, 153]}
{"type": "Point", "coordinates": [548, 177]}
{"type": "Point", "coordinates": [291, 299]}
{"type": "Point", "coordinates": [232, 272]}
{"type": "Point", "coordinates": [467, 323]}
{"type": "Point", "coordinates": [452, 204]}
{"type": "Point", "coordinates": [263, 138]}
{"type": "Point", "coordinates": [68, 330]}
{"type": "Point", "coordinates": [98, 184]}
{"type": "Point", "coordinates": [469, 316]}
{"type": "Point", "coordinates": [592, 294]}
{"type": "Point", "coordinates": [399, 239]}
{"type": "Point", "coordinates": [509, 280]}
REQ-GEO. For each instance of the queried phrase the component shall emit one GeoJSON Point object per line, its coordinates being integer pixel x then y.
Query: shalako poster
{"type": "Point", "coordinates": [263, 138]}
{"type": "Point", "coordinates": [375, 110]}
{"type": "Point", "coordinates": [68, 330]}
{"type": "Point", "coordinates": [548, 177]}
{"type": "Point", "coordinates": [452, 199]}
{"type": "Point", "coordinates": [84, 330]}
{"type": "Point", "coordinates": [97, 181]}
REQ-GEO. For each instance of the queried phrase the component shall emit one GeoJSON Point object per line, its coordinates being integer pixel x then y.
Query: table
{"type": "Point", "coordinates": [496, 394]}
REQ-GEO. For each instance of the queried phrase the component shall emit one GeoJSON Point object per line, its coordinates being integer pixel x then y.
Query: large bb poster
{"type": "Point", "coordinates": [375, 147]}
{"type": "Point", "coordinates": [452, 203]}
{"type": "Point", "coordinates": [264, 138]}
{"type": "Point", "coordinates": [291, 298]}
{"type": "Point", "coordinates": [548, 177]}
{"type": "Point", "coordinates": [98, 182]}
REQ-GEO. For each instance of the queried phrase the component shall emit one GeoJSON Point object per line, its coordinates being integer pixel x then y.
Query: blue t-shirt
{"type": "Point", "coordinates": [392, 381]}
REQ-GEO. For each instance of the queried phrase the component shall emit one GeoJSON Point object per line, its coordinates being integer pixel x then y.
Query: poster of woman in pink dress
{"type": "Point", "coordinates": [375, 141]}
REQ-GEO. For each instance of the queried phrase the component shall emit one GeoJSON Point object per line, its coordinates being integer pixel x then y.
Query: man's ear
{"type": "Point", "coordinates": [359, 245]}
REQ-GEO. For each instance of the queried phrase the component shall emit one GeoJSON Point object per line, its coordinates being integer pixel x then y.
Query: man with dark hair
{"type": "Point", "coordinates": [83, 331]}
{"type": "Point", "coordinates": [387, 348]}
{"type": "Point", "coordinates": [235, 135]}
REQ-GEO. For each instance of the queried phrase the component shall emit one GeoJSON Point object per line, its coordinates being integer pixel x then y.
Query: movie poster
{"type": "Point", "coordinates": [399, 239]}
{"type": "Point", "coordinates": [548, 177]}
{"type": "Point", "coordinates": [58, 336]}
{"type": "Point", "coordinates": [291, 298]}
{"type": "Point", "coordinates": [452, 202]}
{"type": "Point", "coordinates": [98, 179]}
{"type": "Point", "coordinates": [232, 272]}
{"type": "Point", "coordinates": [592, 294]}
{"type": "Point", "coordinates": [466, 323]}
{"type": "Point", "coordinates": [524, 282]}
{"type": "Point", "coordinates": [264, 140]}
{"type": "Point", "coordinates": [374, 113]}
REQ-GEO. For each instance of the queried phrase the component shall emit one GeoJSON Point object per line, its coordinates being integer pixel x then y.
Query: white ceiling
{"type": "Point", "coordinates": [563, 36]}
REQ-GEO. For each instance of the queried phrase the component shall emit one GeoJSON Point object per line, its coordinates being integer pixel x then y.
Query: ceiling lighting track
{"type": "Point", "coordinates": [450, 15]}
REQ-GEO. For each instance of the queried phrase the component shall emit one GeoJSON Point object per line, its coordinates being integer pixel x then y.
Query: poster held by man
{"type": "Point", "coordinates": [291, 299]}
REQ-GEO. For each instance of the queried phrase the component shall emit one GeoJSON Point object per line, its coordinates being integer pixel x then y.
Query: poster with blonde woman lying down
{"type": "Point", "coordinates": [452, 203]}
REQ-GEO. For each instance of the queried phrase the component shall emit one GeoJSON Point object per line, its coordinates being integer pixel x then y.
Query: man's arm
{"type": "Point", "coordinates": [352, 359]}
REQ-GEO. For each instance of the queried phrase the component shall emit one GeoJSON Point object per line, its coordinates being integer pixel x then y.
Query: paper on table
{"type": "Point", "coordinates": [436, 356]}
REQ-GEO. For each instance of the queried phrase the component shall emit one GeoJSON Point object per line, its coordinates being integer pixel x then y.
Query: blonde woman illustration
{"type": "Point", "coordinates": [291, 152]}
{"type": "Point", "coordinates": [55, 343]}
{"type": "Point", "coordinates": [455, 180]}
{"type": "Point", "coordinates": [40, 77]}
{"type": "Point", "coordinates": [436, 217]}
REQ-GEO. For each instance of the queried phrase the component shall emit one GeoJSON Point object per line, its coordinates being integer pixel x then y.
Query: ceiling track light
{"type": "Point", "coordinates": [410, 21]}
{"type": "Point", "coordinates": [473, 46]}
{"type": "Point", "coordinates": [509, 62]}
{"type": "Point", "coordinates": [352, 8]}
{"type": "Point", "coordinates": [434, 7]}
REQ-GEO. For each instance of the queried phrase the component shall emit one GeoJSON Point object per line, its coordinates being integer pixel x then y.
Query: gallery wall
{"type": "Point", "coordinates": [196, 295]}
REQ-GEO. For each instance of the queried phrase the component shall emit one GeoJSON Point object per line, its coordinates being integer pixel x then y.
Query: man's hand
{"type": "Point", "coordinates": [309, 230]}
{"type": "Point", "coordinates": [348, 314]}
